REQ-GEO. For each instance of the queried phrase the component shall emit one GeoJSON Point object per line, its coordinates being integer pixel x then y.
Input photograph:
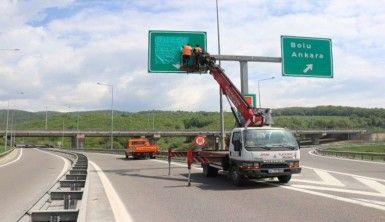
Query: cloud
{"type": "Point", "coordinates": [68, 46]}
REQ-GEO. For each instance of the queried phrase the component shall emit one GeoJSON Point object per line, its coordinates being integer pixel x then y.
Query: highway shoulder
{"type": "Point", "coordinates": [98, 207]}
{"type": "Point", "coordinates": [11, 157]}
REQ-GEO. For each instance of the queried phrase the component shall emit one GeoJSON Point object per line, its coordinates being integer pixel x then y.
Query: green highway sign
{"type": "Point", "coordinates": [308, 57]}
{"type": "Point", "coordinates": [164, 49]}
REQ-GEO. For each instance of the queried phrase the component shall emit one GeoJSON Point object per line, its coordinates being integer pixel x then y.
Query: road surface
{"type": "Point", "coordinates": [329, 189]}
{"type": "Point", "coordinates": [25, 177]}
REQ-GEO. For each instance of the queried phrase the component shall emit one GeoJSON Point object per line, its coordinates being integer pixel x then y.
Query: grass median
{"type": "Point", "coordinates": [359, 151]}
{"type": "Point", "coordinates": [364, 148]}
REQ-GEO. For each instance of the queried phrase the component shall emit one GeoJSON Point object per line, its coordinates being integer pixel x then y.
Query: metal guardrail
{"type": "Point", "coordinates": [353, 155]}
{"type": "Point", "coordinates": [67, 197]}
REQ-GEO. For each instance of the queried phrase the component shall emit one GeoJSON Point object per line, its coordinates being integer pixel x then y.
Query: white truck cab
{"type": "Point", "coordinates": [263, 152]}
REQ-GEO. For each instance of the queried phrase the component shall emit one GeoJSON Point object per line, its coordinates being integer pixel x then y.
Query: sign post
{"type": "Point", "coordinates": [189, 163]}
{"type": "Point", "coordinates": [307, 57]}
{"type": "Point", "coordinates": [164, 49]}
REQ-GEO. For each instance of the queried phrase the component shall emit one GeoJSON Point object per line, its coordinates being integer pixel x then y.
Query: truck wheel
{"type": "Point", "coordinates": [152, 157]}
{"type": "Point", "coordinates": [236, 178]}
{"type": "Point", "coordinates": [126, 156]}
{"type": "Point", "coordinates": [209, 171]}
{"type": "Point", "coordinates": [284, 179]}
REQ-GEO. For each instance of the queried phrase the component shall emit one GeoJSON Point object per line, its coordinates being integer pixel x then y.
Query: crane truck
{"type": "Point", "coordinates": [255, 149]}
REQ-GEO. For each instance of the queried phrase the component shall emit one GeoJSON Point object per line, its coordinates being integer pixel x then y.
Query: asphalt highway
{"type": "Point", "coordinates": [25, 177]}
{"type": "Point", "coordinates": [329, 189]}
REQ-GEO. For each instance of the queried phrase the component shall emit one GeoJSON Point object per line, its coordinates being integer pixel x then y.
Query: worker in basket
{"type": "Point", "coordinates": [197, 57]}
{"type": "Point", "coordinates": [186, 54]}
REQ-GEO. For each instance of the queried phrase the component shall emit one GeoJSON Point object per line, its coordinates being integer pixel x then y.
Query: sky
{"type": "Point", "coordinates": [67, 46]}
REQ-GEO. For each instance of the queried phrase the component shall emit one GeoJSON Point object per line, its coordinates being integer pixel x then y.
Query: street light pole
{"type": "Point", "coordinates": [6, 129]}
{"type": "Point", "coordinates": [259, 91]}
{"type": "Point", "coordinates": [62, 135]}
{"type": "Point", "coordinates": [12, 127]}
{"type": "Point", "coordinates": [77, 122]}
{"type": "Point", "coordinates": [112, 111]}
{"type": "Point", "coordinates": [222, 119]}
{"type": "Point", "coordinates": [46, 117]}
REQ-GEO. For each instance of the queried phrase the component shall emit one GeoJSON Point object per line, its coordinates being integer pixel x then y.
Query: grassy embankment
{"type": "Point", "coordinates": [365, 148]}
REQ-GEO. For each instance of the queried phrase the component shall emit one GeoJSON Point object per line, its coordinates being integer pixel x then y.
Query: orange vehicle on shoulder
{"type": "Point", "coordinates": [141, 148]}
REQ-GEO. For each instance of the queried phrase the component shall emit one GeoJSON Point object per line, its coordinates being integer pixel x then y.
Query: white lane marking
{"type": "Point", "coordinates": [370, 204]}
{"type": "Point", "coordinates": [372, 201]}
{"type": "Point", "coordinates": [345, 174]}
{"type": "Point", "coordinates": [373, 184]}
{"type": "Point", "coordinates": [18, 158]}
{"type": "Point", "coordinates": [311, 152]}
{"type": "Point", "coordinates": [117, 206]}
{"type": "Point", "coordinates": [327, 179]}
{"type": "Point", "coordinates": [66, 166]}
{"type": "Point", "coordinates": [348, 200]}
{"type": "Point", "coordinates": [375, 194]}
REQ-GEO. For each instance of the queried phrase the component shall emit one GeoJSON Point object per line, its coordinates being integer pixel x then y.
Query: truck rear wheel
{"type": "Point", "coordinates": [284, 179]}
{"type": "Point", "coordinates": [209, 171]}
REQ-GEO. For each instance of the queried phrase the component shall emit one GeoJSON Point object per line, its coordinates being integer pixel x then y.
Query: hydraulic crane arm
{"type": "Point", "coordinates": [250, 116]}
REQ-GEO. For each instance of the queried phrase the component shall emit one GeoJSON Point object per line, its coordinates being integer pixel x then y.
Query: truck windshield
{"type": "Point", "coordinates": [138, 143]}
{"type": "Point", "coordinates": [269, 139]}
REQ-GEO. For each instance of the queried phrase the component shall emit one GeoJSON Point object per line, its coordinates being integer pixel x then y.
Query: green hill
{"type": "Point", "coordinates": [321, 117]}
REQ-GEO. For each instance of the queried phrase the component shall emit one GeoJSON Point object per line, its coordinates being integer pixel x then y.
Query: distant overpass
{"type": "Point", "coordinates": [78, 137]}
{"type": "Point", "coordinates": [158, 133]}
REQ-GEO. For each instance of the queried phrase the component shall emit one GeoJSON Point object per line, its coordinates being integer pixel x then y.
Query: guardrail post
{"type": "Point", "coordinates": [66, 201]}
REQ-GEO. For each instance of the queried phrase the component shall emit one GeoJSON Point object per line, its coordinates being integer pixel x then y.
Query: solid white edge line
{"type": "Point", "coordinates": [311, 152]}
{"type": "Point", "coordinates": [371, 201]}
{"type": "Point", "coordinates": [119, 210]}
{"type": "Point", "coordinates": [18, 158]}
